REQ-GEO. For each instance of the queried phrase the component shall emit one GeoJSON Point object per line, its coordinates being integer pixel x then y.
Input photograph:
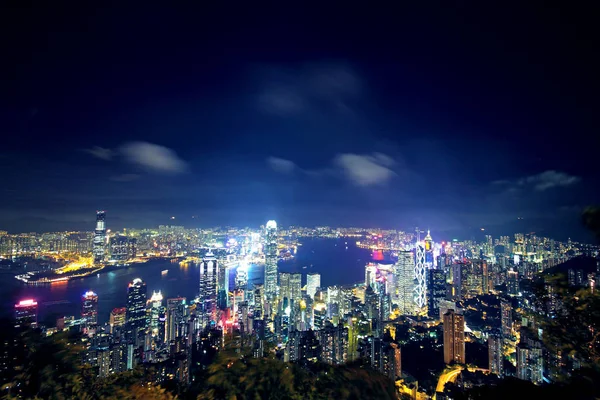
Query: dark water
{"type": "Point", "coordinates": [329, 257]}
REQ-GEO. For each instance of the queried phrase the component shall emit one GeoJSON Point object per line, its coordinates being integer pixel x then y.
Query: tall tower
{"type": "Point", "coordinates": [506, 318]}
{"type": "Point", "coordinates": [420, 278]}
{"type": "Point", "coordinates": [428, 243]}
{"type": "Point", "coordinates": [313, 282]}
{"type": "Point", "coordinates": [241, 276]}
{"type": "Point", "coordinates": [117, 320]}
{"type": "Point", "coordinates": [209, 273]}
{"type": "Point", "coordinates": [271, 262]}
{"type": "Point", "coordinates": [436, 291]}
{"type": "Point", "coordinates": [89, 308]}
{"type": "Point", "coordinates": [26, 314]}
{"type": "Point", "coordinates": [454, 337]}
{"type": "Point", "coordinates": [404, 283]}
{"type": "Point", "coordinates": [156, 312]}
{"type": "Point", "coordinates": [136, 308]}
{"type": "Point", "coordinates": [285, 291]}
{"type": "Point", "coordinates": [99, 247]}
{"type": "Point", "coordinates": [296, 287]}
{"type": "Point", "coordinates": [495, 356]}
{"type": "Point", "coordinates": [175, 318]}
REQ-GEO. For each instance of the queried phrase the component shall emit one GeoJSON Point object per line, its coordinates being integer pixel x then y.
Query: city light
{"type": "Point", "coordinates": [26, 303]}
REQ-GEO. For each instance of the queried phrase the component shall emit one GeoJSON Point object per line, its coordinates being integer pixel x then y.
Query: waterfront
{"type": "Point", "coordinates": [337, 265]}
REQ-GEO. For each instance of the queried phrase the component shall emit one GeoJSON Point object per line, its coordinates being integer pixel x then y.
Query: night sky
{"type": "Point", "coordinates": [451, 118]}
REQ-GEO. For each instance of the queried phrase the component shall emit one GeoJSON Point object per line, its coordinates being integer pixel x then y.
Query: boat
{"type": "Point", "coordinates": [165, 271]}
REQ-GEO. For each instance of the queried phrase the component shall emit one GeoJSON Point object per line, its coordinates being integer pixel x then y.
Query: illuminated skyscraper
{"type": "Point", "coordinates": [223, 286]}
{"type": "Point", "coordinates": [241, 276]}
{"type": "Point", "coordinates": [207, 306]}
{"type": "Point", "coordinates": [285, 291]}
{"type": "Point", "coordinates": [117, 319]}
{"type": "Point", "coordinates": [506, 318]}
{"type": "Point", "coordinates": [26, 314]}
{"type": "Point", "coordinates": [157, 312]}
{"type": "Point", "coordinates": [99, 248]}
{"type": "Point", "coordinates": [313, 282]}
{"type": "Point", "coordinates": [270, 251]}
{"type": "Point", "coordinates": [136, 309]}
{"type": "Point", "coordinates": [436, 291]}
{"type": "Point", "coordinates": [119, 248]}
{"type": "Point", "coordinates": [454, 338]}
{"type": "Point", "coordinates": [403, 292]}
{"type": "Point", "coordinates": [512, 282]}
{"type": "Point", "coordinates": [496, 360]}
{"type": "Point", "coordinates": [89, 308]}
{"type": "Point", "coordinates": [489, 246]}
{"type": "Point", "coordinates": [296, 287]}
{"type": "Point", "coordinates": [370, 275]}
{"type": "Point", "coordinates": [419, 274]}
{"type": "Point", "coordinates": [175, 318]}
{"type": "Point", "coordinates": [530, 360]}
{"type": "Point", "coordinates": [428, 244]}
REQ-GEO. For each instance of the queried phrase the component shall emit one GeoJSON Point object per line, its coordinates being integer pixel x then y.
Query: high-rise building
{"type": "Point", "coordinates": [285, 291]}
{"type": "Point", "coordinates": [241, 276]}
{"type": "Point", "coordinates": [512, 282]}
{"type": "Point", "coordinates": [382, 354]}
{"type": "Point", "coordinates": [403, 292]}
{"type": "Point", "coordinates": [334, 344]}
{"type": "Point", "coordinates": [370, 275]}
{"type": "Point", "coordinates": [419, 274]}
{"type": "Point", "coordinates": [392, 360]}
{"type": "Point", "coordinates": [176, 309]}
{"type": "Point", "coordinates": [496, 360]}
{"type": "Point", "coordinates": [99, 248]}
{"type": "Point", "coordinates": [270, 250]}
{"type": "Point", "coordinates": [136, 309]}
{"type": "Point", "coordinates": [26, 314]}
{"type": "Point", "coordinates": [436, 291]}
{"type": "Point", "coordinates": [89, 308]}
{"type": "Point", "coordinates": [319, 314]}
{"type": "Point", "coordinates": [117, 319]}
{"type": "Point", "coordinates": [223, 286]}
{"type": "Point", "coordinates": [454, 338]}
{"type": "Point", "coordinates": [302, 346]}
{"type": "Point", "coordinates": [156, 312]}
{"type": "Point", "coordinates": [506, 318]}
{"type": "Point", "coordinates": [428, 244]}
{"type": "Point", "coordinates": [207, 306]}
{"type": "Point", "coordinates": [530, 360]}
{"type": "Point", "coordinates": [313, 282]}
{"type": "Point", "coordinates": [119, 248]}
{"type": "Point", "coordinates": [457, 281]}
{"type": "Point", "coordinates": [296, 287]}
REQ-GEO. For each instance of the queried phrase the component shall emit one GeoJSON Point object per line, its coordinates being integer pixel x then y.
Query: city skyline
{"type": "Point", "coordinates": [344, 200]}
{"type": "Point", "coordinates": [461, 300]}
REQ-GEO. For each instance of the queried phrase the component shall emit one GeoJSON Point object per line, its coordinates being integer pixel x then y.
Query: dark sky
{"type": "Point", "coordinates": [448, 117]}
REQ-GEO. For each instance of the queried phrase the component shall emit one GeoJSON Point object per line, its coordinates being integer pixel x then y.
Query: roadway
{"type": "Point", "coordinates": [450, 376]}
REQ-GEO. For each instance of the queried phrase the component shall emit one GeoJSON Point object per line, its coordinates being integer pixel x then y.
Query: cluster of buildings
{"type": "Point", "coordinates": [456, 292]}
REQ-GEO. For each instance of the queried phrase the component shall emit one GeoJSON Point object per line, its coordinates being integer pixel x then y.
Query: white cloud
{"type": "Point", "coordinates": [548, 180]}
{"type": "Point", "coordinates": [281, 165]}
{"type": "Point", "coordinates": [100, 152]}
{"type": "Point", "coordinates": [153, 157]}
{"type": "Point", "coordinates": [366, 170]}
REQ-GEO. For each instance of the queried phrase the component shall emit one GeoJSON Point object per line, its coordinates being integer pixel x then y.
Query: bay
{"type": "Point", "coordinates": [338, 261]}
